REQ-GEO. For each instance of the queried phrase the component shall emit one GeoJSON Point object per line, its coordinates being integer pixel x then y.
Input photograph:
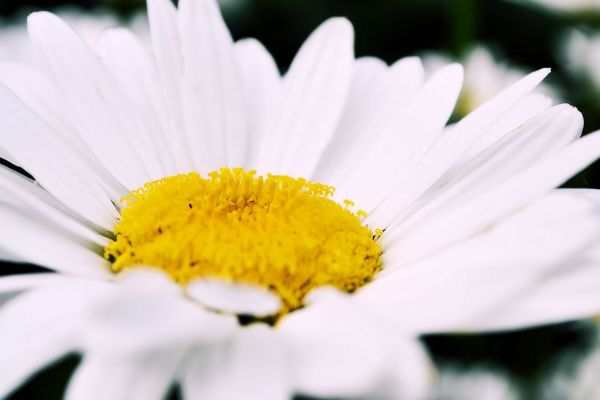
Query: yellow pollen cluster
{"type": "Point", "coordinates": [282, 233]}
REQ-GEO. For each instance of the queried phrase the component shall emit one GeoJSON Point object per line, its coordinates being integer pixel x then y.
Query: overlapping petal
{"type": "Point", "coordinates": [474, 228]}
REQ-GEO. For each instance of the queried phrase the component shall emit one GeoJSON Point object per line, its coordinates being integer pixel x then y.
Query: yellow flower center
{"type": "Point", "coordinates": [281, 233]}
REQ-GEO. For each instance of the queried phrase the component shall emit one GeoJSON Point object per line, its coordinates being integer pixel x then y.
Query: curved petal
{"type": "Point", "coordinates": [527, 108]}
{"type": "Point", "coordinates": [141, 377]}
{"type": "Point", "coordinates": [234, 298]}
{"type": "Point", "coordinates": [22, 191]}
{"type": "Point", "coordinates": [38, 241]}
{"type": "Point", "coordinates": [5, 255]}
{"type": "Point", "coordinates": [108, 121]}
{"type": "Point", "coordinates": [21, 282]}
{"type": "Point", "coordinates": [41, 95]}
{"type": "Point", "coordinates": [448, 150]}
{"type": "Point", "coordinates": [213, 106]}
{"type": "Point", "coordinates": [402, 145]}
{"type": "Point", "coordinates": [569, 292]}
{"type": "Point", "coordinates": [252, 366]}
{"type": "Point", "coordinates": [537, 139]}
{"type": "Point", "coordinates": [12, 286]}
{"type": "Point", "coordinates": [497, 266]}
{"type": "Point", "coordinates": [40, 326]}
{"type": "Point", "coordinates": [314, 93]}
{"type": "Point", "coordinates": [493, 205]}
{"type": "Point", "coordinates": [137, 318]}
{"type": "Point", "coordinates": [167, 56]}
{"type": "Point", "coordinates": [369, 93]}
{"type": "Point", "coordinates": [374, 103]}
{"type": "Point", "coordinates": [52, 162]}
{"type": "Point", "coordinates": [126, 58]}
{"type": "Point", "coordinates": [337, 350]}
{"type": "Point", "coordinates": [262, 85]}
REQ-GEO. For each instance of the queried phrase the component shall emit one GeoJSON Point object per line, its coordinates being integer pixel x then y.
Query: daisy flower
{"type": "Point", "coordinates": [485, 77]}
{"type": "Point", "coordinates": [213, 225]}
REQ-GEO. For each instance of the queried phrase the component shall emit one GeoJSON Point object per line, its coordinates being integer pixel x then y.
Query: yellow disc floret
{"type": "Point", "coordinates": [284, 234]}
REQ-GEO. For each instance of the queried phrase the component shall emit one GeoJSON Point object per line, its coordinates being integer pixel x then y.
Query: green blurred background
{"type": "Point", "coordinates": [390, 29]}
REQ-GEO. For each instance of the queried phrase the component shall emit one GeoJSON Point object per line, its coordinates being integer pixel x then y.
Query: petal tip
{"type": "Point", "coordinates": [339, 25]}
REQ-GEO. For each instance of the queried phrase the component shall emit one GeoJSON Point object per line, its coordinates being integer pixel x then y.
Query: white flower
{"type": "Point", "coordinates": [476, 237]}
{"type": "Point", "coordinates": [474, 384]}
{"type": "Point", "coordinates": [485, 77]}
{"type": "Point", "coordinates": [565, 5]}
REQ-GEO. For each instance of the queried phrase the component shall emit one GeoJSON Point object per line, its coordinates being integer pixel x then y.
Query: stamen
{"type": "Point", "coordinates": [283, 233]}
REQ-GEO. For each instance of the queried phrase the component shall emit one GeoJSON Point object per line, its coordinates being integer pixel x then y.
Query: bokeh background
{"type": "Point", "coordinates": [513, 34]}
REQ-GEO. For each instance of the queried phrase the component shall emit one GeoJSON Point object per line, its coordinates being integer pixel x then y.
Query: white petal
{"type": "Point", "coordinates": [5, 155]}
{"type": "Point", "coordinates": [405, 143]}
{"type": "Point", "coordinates": [234, 298]}
{"type": "Point", "coordinates": [20, 282]}
{"type": "Point", "coordinates": [527, 108]}
{"type": "Point", "coordinates": [22, 191]}
{"type": "Point", "coordinates": [168, 58]}
{"type": "Point", "coordinates": [252, 366]}
{"type": "Point", "coordinates": [334, 349]}
{"type": "Point", "coordinates": [42, 96]}
{"type": "Point", "coordinates": [124, 55]}
{"type": "Point", "coordinates": [52, 162]}
{"type": "Point", "coordinates": [592, 195]}
{"type": "Point", "coordinates": [411, 373]}
{"type": "Point", "coordinates": [137, 319]}
{"type": "Point", "coordinates": [532, 141]}
{"type": "Point", "coordinates": [213, 105]}
{"type": "Point", "coordinates": [510, 195]}
{"type": "Point", "coordinates": [148, 279]}
{"type": "Point", "coordinates": [314, 94]}
{"type": "Point", "coordinates": [367, 96]}
{"type": "Point", "coordinates": [12, 286]}
{"type": "Point", "coordinates": [537, 139]}
{"type": "Point", "coordinates": [38, 327]}
{"type": "Point", "coordinates": [568, 294]}
{"type": "Point", "coordinates": [452, 289]}
{"type": "Point", "coordinates": [20, 363]}
{"type": "Point", "coordinates": [570, 291]}
{"type": "Point", "coordinates": [109, 122]}
{"type": "Point", "coordinates": [409, 74]}
{"type": "Point", "coordinates": [5, 255]}
{"type": "Point", "coordinates": [262, 92]}
{"type": "Point", "coordinates": [376, 96]}
{"type": "Point", "coordinates": [40, 242]}
{"type": "Point", "coordinates": [142, 377]}
{"type": "Point", "coordinates": [451, 146]}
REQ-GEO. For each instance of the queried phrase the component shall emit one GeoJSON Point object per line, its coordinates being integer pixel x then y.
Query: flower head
{"type": "Point", "coordinates": [184, 201]}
